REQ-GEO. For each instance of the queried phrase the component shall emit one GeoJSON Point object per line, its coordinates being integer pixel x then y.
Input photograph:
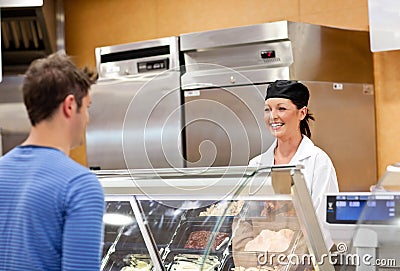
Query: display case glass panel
{"type": "Point", "coordinates": [123, 248]}
{"type": "Point", "coordinates": [212, 221]}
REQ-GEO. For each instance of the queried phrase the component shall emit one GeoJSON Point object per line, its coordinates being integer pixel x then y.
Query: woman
{"type": "Point", "coordinates": [286, 115]}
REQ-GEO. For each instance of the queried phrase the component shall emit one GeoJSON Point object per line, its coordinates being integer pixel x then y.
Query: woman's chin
{"type": "Point", "coordinates": [276, 132]}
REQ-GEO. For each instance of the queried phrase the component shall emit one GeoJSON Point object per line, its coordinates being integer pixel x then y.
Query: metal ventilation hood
{"type": "Point", "coordinates": [30, 29]}
{"type": "Point", "coordinates": [28, 33]}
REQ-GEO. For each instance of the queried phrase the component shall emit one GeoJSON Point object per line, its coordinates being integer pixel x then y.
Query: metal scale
{"type": "Point", "coordinates": [366, 226]}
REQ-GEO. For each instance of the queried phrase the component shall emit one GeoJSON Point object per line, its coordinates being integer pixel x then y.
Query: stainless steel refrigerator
{"type": "Point", "coordinates": [228, 70]}
{"type": "Point", "coordinates": [135, 116]}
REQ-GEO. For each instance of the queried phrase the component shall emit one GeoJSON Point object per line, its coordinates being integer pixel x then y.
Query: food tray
{"type": "Point", "coordinates": [270, 209]}
{"type": "Point", "coordinates": [248, 230]}
{"type": "Point", "coordinates": [131, 238]}
{"type": "Point", "coordinates": [119, 260]}
{"type": "Point", "coordinates": [221, 208]}
{"type": "Point", "coordinates": [193, 262]}
{"type": "Point", "coordinates": [200, 225]}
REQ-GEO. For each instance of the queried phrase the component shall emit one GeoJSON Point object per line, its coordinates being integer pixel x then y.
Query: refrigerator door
{"type": "Point", "coordinates": [136, 123]}
{"type": "Point", "coordinates": [225, 126]}
{"type": "Point", "coordinates": [344, 128]}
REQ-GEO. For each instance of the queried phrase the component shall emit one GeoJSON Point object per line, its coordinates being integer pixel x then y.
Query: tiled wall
{"type": "Point", "coordinates": [93, 23]}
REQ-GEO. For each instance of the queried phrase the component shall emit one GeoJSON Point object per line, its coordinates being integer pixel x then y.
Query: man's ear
{"type": "Point", "coordinates": [68, 105]}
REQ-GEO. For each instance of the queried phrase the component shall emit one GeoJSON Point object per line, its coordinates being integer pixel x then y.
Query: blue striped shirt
{"type": "Point", "coordinates": [51, 211]}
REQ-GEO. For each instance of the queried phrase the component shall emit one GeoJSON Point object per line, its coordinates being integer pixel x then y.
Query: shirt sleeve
{"type": "Point", "coordinates": [83, 225]}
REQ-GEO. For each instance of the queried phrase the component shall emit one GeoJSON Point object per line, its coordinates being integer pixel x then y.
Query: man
{"type": "Point", "coordinates": [51, 207]}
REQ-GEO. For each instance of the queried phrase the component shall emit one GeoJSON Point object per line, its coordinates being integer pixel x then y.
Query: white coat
{"type": "Point", "coordinates": [319, 174]}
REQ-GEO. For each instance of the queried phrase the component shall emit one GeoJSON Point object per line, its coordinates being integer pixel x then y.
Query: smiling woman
{"type": "Point", "coordinates": [286, 115]}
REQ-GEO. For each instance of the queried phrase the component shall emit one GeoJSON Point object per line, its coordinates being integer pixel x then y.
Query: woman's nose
{"type": "Point", "coordinates": [273, 114]}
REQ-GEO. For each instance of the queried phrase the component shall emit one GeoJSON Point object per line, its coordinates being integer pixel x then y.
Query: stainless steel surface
{"type": "Point", "coordinates": [241, 63]}
{"type": "Point", "coordinates": [14, 122]}
{"type": "Point", "coordinates": [330, 54]}
{"type": "Point", "coordinates": [136, 116]}
{"type": "Point", "coordinates": [129, 66]}
{"type": "Point", "coordinates": [29, 32]}
{"type": "Point", "coordinates": [223, 68]}
{"type": "Point", "coordinates": [234, 36]}
{"type": "Point", "coordinates": [225, 126]}
{"type": "Point", "coordinates": [317, 53]}
{"type": "Point", "coordinates": [60, 26]}
{"type": "Point", "coordinates": [20, 3]}
{"type": "Point", "coordinates": [344, 127]}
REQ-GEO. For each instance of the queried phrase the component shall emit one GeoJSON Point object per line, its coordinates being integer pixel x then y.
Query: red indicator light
{"type": "Point", "coordinates": [267, 54]}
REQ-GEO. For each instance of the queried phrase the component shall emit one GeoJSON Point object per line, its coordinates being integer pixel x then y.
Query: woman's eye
{"type": "Point", "coordinates": [266, 110]}
{"type": "Point", "coordinates": [282, 108]}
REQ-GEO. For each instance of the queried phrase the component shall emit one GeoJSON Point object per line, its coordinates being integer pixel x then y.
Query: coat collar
{"type": "Point", "coordinates": [305, 150]}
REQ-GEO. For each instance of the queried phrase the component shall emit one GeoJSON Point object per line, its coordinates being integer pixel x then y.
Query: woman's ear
{"type": "Point", "coordinates": [303, 112]}
{"type": "Point", "coordinates": [68, 105]}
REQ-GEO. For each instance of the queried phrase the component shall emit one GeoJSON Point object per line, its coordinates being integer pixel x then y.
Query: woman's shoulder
{"type": "Point", "coordinates": [321, 154]}
{"type": "Point", "coordinates": [312, 150]}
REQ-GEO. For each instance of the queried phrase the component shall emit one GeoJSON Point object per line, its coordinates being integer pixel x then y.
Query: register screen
{"type": "Point", "coordinates": [372, 209]}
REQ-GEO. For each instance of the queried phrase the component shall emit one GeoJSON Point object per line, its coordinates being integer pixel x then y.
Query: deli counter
{"type": "Point", "coordinates": [214, 219]}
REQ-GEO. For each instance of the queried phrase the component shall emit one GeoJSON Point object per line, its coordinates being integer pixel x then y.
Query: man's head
{"type": "Point", "coordinates": [48, 81]}
{"type": "Point", "coordinates": [56, 96]}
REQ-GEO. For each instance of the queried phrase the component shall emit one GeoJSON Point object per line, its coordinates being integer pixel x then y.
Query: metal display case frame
{"type": "Point", "coordinates": [213, 185]}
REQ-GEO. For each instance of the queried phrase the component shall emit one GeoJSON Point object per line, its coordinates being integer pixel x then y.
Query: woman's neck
{"type": "Point", "coordinates": [286, 149]}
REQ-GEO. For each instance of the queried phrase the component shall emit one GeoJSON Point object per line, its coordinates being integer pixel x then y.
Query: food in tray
{"type": "Point", "coordinates": [232, 209]}
{"type": "Point", "coordinates": [200, 239]}
{"type": "Point", "coordinates": [189, 262]}
{"type": "Point", "coordinates": [136, 263]}
{"type": "Point", "coordinates": [280, 208]}
{"type": "Point", "coordinates": [271, 241]}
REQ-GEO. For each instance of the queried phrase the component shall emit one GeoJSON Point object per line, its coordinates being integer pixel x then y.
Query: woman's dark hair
{"type": "Point", "coordinates": [304, 123]}
{"type": "Point", "coordinates": [48, 81]}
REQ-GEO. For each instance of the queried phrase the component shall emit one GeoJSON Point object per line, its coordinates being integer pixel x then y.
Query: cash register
{"type": "Point", "coordinates": [366, 225]}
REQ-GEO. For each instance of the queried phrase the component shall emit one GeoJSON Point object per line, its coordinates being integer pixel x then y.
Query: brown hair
{"type": "Point", "coordinates": [304, 126]}
{"type": "Point", "coordinates": [48, 81]}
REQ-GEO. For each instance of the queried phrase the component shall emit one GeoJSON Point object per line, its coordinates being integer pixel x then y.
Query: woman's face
{"type": "Point", "coordinates": [282, 117]}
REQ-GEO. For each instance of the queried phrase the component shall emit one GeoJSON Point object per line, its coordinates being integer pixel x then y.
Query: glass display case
{"type": "Point", "coordinates": [213, 219]}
